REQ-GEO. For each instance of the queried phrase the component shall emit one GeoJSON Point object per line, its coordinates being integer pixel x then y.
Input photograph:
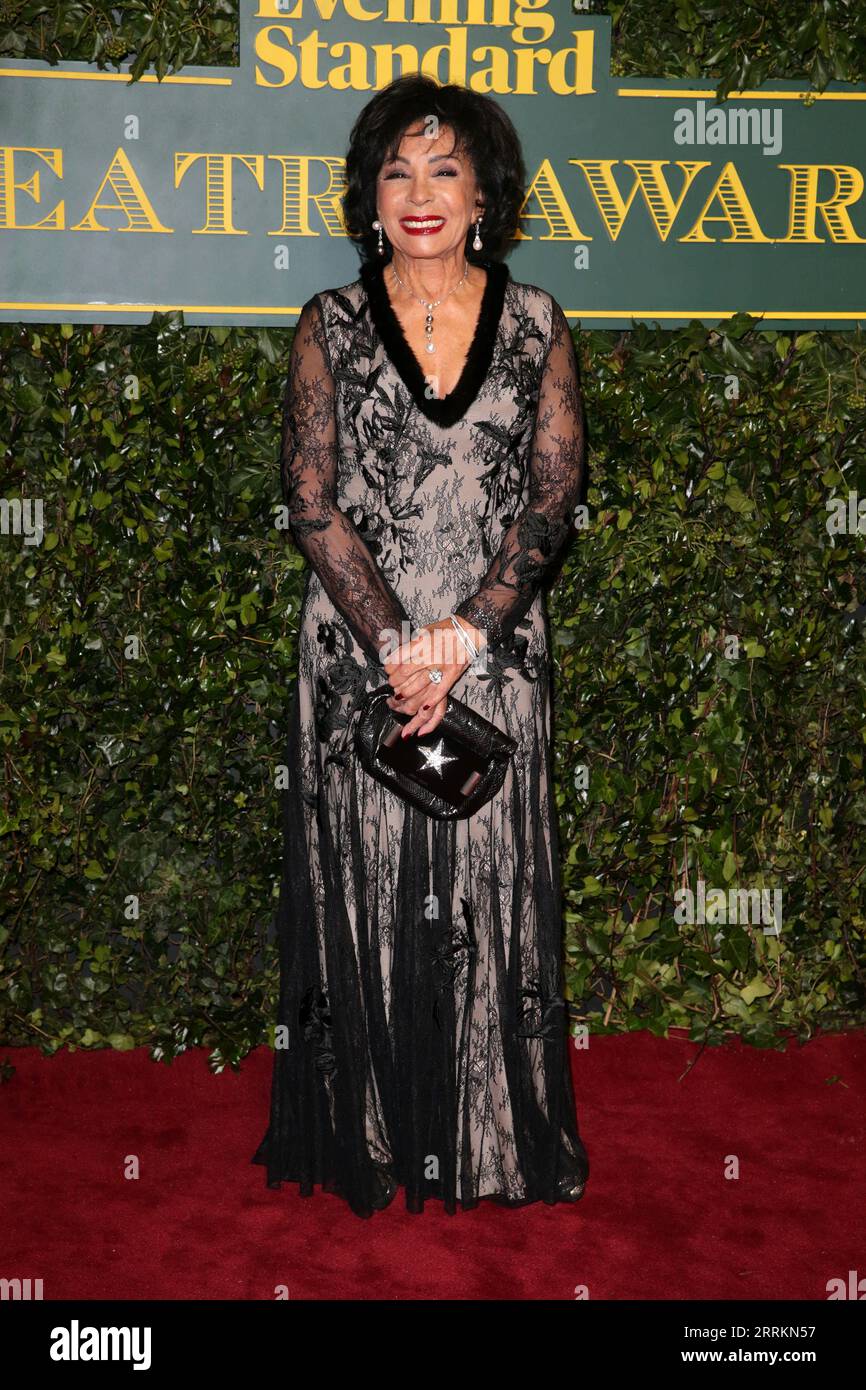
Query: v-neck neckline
{"type": "Point", "coordinates": [442, 410]}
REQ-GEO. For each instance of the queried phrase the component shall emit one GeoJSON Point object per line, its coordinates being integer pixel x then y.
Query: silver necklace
{"type": "Point", "coordinates": [430, 305]}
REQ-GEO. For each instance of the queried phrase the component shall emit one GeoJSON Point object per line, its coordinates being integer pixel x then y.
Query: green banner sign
{"type": "Point", "coordinates": [216, 191]}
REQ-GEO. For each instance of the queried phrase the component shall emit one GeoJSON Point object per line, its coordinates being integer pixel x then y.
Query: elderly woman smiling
{"type": "Point", "coordinates": [432, 454]}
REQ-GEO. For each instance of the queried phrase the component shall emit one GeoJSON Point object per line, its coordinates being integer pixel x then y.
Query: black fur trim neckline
{"type": "Point", "coordinates": [444, 410]}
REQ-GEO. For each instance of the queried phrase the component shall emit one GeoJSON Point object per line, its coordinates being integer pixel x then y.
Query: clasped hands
{"type": "Point", "coordinates": [436, 644]}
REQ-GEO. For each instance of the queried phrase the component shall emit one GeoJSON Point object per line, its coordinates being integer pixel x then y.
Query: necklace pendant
{"type": "Point", "coordinates": [429, 346]}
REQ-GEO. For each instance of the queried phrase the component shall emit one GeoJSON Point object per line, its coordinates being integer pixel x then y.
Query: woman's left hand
{"type": "Point", "coordinates": [438, 645]}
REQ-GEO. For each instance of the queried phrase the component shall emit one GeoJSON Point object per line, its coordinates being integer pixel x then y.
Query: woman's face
{"type": "Point", "coordinates": [426, 184]}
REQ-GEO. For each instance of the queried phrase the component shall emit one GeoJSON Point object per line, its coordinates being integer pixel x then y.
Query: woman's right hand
{"type": "Point", "coordinates": [436, 645]}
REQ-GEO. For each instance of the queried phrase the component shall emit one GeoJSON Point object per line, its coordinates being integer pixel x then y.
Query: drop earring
{"type": "Point", "coordinates": [377, 226]}
{"type": "Point", "coordinates": [477, 243]}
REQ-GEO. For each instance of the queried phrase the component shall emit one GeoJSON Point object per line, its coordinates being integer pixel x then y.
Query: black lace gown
{"type": "Point", "coordinates": [422, 1038]}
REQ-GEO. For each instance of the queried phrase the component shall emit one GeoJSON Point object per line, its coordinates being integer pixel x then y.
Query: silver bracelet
{"type": "Point", "coordinates": [465, 638]}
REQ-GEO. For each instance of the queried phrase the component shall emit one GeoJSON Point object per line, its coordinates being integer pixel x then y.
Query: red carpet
{"type": "Point", "coordinates": [658, 1219]}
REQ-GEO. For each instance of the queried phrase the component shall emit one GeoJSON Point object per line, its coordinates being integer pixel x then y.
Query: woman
{"type": "Point", "coordinates": [432, 455]}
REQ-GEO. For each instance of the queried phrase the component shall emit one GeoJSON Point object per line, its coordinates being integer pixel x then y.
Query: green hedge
{"type": "Point", "coordinates": [709, 638]}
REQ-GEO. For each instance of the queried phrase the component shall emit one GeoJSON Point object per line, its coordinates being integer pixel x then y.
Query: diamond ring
{"type": "Point", "coordinates": [435, 674]}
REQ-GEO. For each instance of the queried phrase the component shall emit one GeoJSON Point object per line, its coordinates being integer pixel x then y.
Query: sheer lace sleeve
{"type": "Point", "coordinates": [532, 543]}
{"type": "Point", "coordinates": [308, 470]}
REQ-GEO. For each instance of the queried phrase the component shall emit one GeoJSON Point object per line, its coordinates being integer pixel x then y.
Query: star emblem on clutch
{"type": "Point", "coordinates": [434, 758]}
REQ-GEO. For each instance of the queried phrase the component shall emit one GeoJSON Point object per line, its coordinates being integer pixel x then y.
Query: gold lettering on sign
{"type": "Point", "coordinates": [555, 208]}
{"type": "Point", "coordinates": [652, 184]}
{"type": "Point", "coordinates": [737, 211]}
{"type": "Point", "coordinates": [131, 200]}
{"type": "Point", "coordinates": [54, 220]}
{"type": "Point", "coordinates": [517, 65]}
{"type": "Point", "coordinates": [297, 196]}
{"type": "Point", "coordinates": [480, 14]}
{"type": "Point", "coordinates": [219, 186]}
{"type": "Point", "coordinates": [804, 206]}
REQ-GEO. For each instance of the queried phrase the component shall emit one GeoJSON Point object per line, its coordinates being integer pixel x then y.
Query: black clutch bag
{"type": "Point", "coordinates": [447, 774]}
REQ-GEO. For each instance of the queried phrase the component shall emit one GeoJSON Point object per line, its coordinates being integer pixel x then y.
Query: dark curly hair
{"type": "Point", "coordinates": [481, 130]}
